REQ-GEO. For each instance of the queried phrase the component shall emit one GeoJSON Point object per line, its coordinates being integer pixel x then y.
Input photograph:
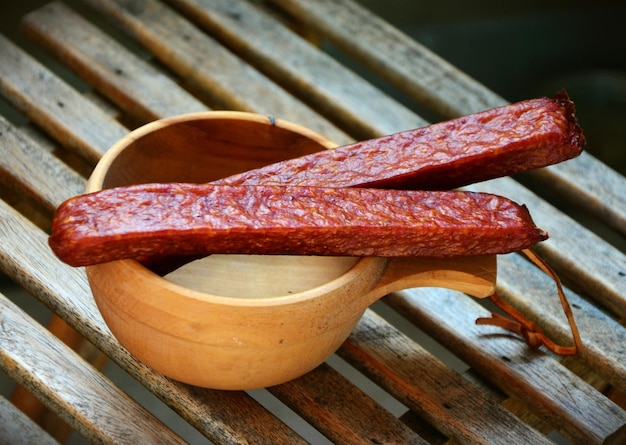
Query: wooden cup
{"type": "Point", "coordinates": [244, 321]}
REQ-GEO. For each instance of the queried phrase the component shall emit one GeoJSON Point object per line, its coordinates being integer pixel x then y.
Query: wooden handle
{"type": "Point", "coordinates": [475, 276]}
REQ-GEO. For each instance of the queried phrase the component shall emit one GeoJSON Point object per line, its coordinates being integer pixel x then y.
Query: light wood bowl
{"type": "Point", "coordinates": [243, 321]}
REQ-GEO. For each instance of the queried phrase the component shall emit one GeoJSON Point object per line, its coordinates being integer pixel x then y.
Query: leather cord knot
{"type": "Point", "coordinates": [529, 331]}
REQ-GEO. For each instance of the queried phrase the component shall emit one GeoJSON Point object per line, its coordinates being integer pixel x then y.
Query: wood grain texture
{"type": "Point", "coordinates": [344, 413]}
{"type": "Point", "coordinates": [55, 106]}
{"type": "Point", "coordinates": [591, 185]}
{"type": "Point", "coordinates": [561, 398]}
{"type": "Point", "coordinates": [300, 67]}
{"type": "Point", "coordinates": [16, 428]}
{"type": "Point", "coordinates": [79, 394]}
{"type": "Point", "coordinates": [410, 66]}
{"type": "Point", "coordinates": [431, 389]}
{"type": "Point", "coordinates": [131, 83]}
{"type": "Point", "coordinates": [201, 61]}
{"type": "Point", "coordinates": [34, 171]}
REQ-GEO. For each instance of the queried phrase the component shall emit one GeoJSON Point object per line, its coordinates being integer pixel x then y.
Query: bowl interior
{"type": "Point", "coordinates": [202, 147]}
{"type": "Point", "coordinates": [259, 276]}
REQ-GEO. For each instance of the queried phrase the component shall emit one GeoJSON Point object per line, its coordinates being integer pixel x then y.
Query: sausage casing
{"type": "Point", "coordinates": [201, 219]}
{"type": "Point", "coordinates": [494, 143]}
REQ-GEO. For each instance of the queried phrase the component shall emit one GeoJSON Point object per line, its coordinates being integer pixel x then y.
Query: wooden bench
{"type": "Point", "coordinates": [140, 61]}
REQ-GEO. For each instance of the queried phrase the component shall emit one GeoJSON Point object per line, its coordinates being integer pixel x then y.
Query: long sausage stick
{"type": "Point", "coordinates": [498, 142]}
{"type": "Point", "coordinates": [192, 219]}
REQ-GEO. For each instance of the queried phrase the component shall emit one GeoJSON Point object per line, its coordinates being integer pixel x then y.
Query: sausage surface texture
{"type": "Point", "coordinates": [498, 142]}
{"type": "Point", "coordinates": [201, 219]}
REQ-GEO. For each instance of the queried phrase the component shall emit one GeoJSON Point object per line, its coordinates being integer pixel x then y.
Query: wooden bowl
{"type": "Point", "coordinates": [243, 321]}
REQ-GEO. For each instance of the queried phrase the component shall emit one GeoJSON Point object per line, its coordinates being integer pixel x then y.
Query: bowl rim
{"type": "Point", "coordinates": [369, 264]}
{"type": "Point", "coordinates": [114, 151]}
{"type": "Point", "coordinates": [98, 174]}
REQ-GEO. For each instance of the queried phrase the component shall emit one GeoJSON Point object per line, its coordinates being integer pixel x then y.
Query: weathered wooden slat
{"type": "Point", "coordinates": [523, 411]}
{"type": "Point", "coordinates": [591, 185]}
{"type": "Point", "coordinates": [435, 83]}
{"type": "Point", "coordinates": [134, 85]}
{"type": "Point", "coordinates": [301, 67]}
{"type": "Point", "coordinates": [410, 66]}
{"type": "Point", "coordinates": [552, 392]}
{"type": "Point", "coordinates": [55, 106]}
{"type": "Point", "coordinates": [423, 383]}
{"type": "Point", "coordinates": [578, 254]}
{"type": "Point", "coordinates": [342, 412]}
{"type": "Point", "coordinates": [16, 428]}
{"type": "Point", "coordinates": [535, 294]}
{"type": "Point", "coordinates": [30, 170]}
{"type": "Point", "coordinates": [78, 393]}
{"type": "Point", "coordinates": [204, 63]}
{"type": "Point", "coordinates": [33, 171]}
{"type": "Point", "coordinates": [25, 257]}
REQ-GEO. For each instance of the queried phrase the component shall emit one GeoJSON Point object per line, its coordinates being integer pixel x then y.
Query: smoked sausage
{"type": "Point", "coordinates": [502, 141]}
{"type": "Point", "coordinates": [497, 142]}
{"type": "Point", "coordinates": [201, 219]}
